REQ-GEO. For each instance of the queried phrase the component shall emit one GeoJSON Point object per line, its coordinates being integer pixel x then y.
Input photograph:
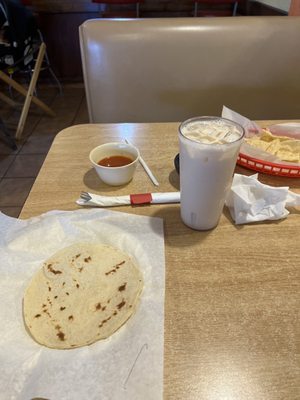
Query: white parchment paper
{"type": "Point", "coordinates": [129, 364]}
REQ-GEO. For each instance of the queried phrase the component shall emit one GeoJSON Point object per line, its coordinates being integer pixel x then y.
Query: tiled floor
{"type": "Point", "coordinates": [19, 168]}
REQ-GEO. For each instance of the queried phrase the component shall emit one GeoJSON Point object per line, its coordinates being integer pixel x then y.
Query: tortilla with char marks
{"type": "Point", "coordinates": [82, 294]}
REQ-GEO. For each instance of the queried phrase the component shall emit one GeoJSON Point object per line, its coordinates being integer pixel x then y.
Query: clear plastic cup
{"type": "Point", "coordinates": [209, 147]}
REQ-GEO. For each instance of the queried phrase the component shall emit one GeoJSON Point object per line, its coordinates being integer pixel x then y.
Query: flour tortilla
{"type": "Point", "coordinates": [82, 294]}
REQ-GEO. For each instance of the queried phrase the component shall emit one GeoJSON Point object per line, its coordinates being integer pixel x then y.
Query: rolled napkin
{"type": "Point", "coordinates": [250, 200]}
{"type": "Point", "coordinates": [134, 199]}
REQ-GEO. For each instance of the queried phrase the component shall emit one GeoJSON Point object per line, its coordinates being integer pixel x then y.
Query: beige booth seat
{"type": "Point", "coordinates": [171, 69]}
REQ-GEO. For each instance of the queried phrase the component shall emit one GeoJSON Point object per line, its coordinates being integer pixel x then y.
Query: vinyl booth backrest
{"type": "Point", "coordinates": [156, 70]}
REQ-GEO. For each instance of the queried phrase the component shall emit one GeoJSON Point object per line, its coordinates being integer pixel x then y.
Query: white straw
{"type": "Point", "coordinates": [146, 168]}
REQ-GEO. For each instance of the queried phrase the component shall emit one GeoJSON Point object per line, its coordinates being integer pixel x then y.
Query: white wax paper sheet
{"type": "Point", "coordinates": [129, 364]}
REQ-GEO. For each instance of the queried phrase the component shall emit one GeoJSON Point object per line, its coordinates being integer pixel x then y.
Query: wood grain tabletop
{"type": "Point", "coordinates": [232, 293]}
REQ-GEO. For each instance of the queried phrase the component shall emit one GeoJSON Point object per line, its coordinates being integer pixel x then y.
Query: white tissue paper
{"type": "Point", "coordinates": [250, 200]}
{"type": "Point", "coordinates": [251, 127]}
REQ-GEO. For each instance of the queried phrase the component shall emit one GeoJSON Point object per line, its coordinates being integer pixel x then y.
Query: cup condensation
{"type": "Point", "coordinates": [209, 147]}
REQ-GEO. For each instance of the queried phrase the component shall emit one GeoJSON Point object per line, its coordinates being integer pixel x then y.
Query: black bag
{"type": "Point", "coordinates": [18, 31]}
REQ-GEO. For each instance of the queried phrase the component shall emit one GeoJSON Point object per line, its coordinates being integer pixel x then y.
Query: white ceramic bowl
{"type": "Point", "coordinates": [115, 176]}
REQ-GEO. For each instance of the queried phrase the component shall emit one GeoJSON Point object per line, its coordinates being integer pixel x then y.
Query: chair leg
{"type": "Point", "coordinates": [10, 87]}
{"type": "Point", "coordinates": [46, 58]}
{"type": "Point", "coordinates": [56, 80]}
{"type": "Point", "coordinates": [8, 100]}
{"type": "Point", "coordinates": [235, 6]}
{"type": "Point", "coordinates": [30, 91]}
{"type": "Point", "coordinates": [24, 92]}
{"type": "Point", "coordinates": [195, 9]}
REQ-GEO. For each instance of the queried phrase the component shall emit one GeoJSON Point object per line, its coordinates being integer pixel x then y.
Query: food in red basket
{"type": "Point", "coordinates": [285, 148]}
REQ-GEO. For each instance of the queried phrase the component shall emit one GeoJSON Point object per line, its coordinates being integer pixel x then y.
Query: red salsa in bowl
{"type": "Point", "coordinates": [115, 161]}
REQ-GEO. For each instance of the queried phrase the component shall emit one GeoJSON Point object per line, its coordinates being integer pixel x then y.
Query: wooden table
{"type": "Point", "coordinates": [232, 295]}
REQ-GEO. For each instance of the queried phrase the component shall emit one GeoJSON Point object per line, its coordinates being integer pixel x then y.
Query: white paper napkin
{"type": "Point", "coordinates": [250, 200]}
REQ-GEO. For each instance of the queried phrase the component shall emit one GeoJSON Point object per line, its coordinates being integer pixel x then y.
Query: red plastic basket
{"type": "Point", "coordinates": [267, 167]}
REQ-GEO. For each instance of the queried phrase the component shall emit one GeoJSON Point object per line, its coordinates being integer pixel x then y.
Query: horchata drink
{"type": "Point", "coordinates": [209, 147]}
